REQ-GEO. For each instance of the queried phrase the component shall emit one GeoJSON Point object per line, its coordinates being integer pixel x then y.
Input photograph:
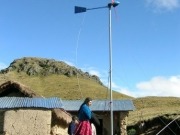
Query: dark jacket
{"type": "Point", "coordinates": [71, 128]}
{"type": "Point", "coordinates": [94, 119]}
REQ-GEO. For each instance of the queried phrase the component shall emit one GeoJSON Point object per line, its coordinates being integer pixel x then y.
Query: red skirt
{"type": "Point", "coordinates": [83, 128]}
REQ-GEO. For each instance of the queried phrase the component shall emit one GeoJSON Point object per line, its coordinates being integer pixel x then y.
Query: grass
{"type": "Point", "coordinates": [65, 87]}
{"type": "Point", "coordinates": [148, 108]}
{"type": "Point", "coordinates": [62, 86]}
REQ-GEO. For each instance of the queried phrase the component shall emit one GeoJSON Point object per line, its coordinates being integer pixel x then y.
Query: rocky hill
{"type": "Point", "coordinates": [49, 77]}
{"type": "Point", "coordinates": [40, 66]}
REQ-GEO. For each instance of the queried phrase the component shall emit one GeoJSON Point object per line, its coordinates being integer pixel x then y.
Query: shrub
{"type": "Point", "coordinates": [131, 132]}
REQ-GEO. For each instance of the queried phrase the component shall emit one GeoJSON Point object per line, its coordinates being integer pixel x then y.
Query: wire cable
{"type": "Point", "coordinates": [77, 45]}
{"type": "Point", "coordinates": [167, 125]}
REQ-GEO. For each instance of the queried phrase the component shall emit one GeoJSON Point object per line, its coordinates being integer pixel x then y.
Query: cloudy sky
{"type": "Point", "coordinates": [145, 40]}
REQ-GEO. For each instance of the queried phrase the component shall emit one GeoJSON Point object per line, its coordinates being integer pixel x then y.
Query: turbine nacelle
{"type": "Point", "coordinates": [78, 9]}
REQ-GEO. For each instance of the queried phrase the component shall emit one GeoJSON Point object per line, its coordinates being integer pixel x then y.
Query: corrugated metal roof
{"type": "Point", "coordinates": [100, 105]}
{"type": "Point", "coordinates": [26, 102]}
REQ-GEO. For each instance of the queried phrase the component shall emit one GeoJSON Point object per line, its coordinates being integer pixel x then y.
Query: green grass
{"type": "Point", "coordinates": [148, 108]}
{"type": "Point", "coordinates": [65, 87]}
{"type": "Point", "coordinates": [62, 86]}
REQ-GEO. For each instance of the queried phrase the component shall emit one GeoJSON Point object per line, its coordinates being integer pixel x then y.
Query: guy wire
{"type": "Point", "coordinates": [77, 45]}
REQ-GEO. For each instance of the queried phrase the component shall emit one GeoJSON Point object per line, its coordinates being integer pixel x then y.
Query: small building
{"type": "Point", "coordinates": [20, 105]}
{"type": "Point", "coordinates": [22, 112]}
{"type": "Point", "coordinates": [101, 108]}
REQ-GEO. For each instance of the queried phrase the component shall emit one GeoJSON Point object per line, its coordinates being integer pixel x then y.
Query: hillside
{"type": "Point", "coordinates": [49, 78]}
{"type": "Point", "coordinates": [155, 113]}
{"type": "Point", "coordinates": [151, 107]}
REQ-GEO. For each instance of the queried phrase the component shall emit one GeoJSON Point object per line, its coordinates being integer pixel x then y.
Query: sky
{"type": "Point", "coordinates": [145, 40]}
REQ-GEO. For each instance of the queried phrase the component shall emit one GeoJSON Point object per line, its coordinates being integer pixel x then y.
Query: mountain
{"type": "Point", "coordinates": [49, 78]}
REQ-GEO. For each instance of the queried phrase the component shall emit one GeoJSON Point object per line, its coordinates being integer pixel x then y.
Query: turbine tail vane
{"type": "Point", "coordinates": [78, 9]}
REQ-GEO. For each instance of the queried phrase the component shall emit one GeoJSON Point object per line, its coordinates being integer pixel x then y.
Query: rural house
{"type": "Point", "coordinates": [101, 108]}
{"type": "Point", "coordinates": [21, 106]}
{"type": "Point", "coordinates": [22, 112]}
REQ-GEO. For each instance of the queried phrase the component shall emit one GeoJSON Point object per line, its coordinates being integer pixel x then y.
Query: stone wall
{"type": "Point", "coordinates": [58, 130]}
{"type": "Point", "coordinates": [123, 122]}
{"type": "Point", "coordinates": [27, 122]}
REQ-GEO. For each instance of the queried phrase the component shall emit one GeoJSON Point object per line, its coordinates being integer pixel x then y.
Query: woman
{"type": "Point", "coordinates": [84, 115]}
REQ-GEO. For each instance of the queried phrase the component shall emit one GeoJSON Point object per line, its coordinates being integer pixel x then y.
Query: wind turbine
{"type": "Point", "coordinates": [84, 9]}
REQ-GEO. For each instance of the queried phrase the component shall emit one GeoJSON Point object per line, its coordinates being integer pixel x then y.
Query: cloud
{"type": "Point", "coordinates": [120, 89]}
{"type": "Point", "coordinates": [156, 86]}
{"type": "Point", "coordinates": [160, 5]}
{"type": "Point", "coordinates": [94, 72]}
{"type": "Point", "coordinates": [69, 63]}
{"type": "Point", "coordinates": [127, 92]}
{"type": "Point", "coordinates": [160, 86]}
{"type": "Point", "coordinates": [102, 74]}
{"type": "Point", "coordinates": [3, 66]}
{"type": "Point", "coordinates": [90, 70]}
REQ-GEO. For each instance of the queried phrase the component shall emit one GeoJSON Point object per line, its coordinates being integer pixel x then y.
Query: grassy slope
{"type": "Point", "coordinates": [67, 88]}
{"type": "Point", "coordinates": [62, 86]}
{"type": "Point", "coordinates": [148, 108]}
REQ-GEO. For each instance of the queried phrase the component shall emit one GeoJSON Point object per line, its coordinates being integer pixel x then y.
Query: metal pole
{"type": "Point", "coordinates": [83, 9]}
{"type": "Point", "coordinates": [110, 68]}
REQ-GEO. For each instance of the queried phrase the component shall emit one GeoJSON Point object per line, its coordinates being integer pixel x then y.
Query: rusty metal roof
{"type": "Point", "coordinates": [26, 102]}
{"type": "Point", "coordinates": [100, 105]}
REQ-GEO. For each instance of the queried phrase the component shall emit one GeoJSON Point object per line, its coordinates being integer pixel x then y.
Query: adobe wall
{"type": "Point", "coordinates": [123, 122]}
{"type": "Point", "coordinates": [58, 127]}
{"type": "Point", "coordinates": [27, 122]}
{"type": "Point", "coordinates": [58, 130]}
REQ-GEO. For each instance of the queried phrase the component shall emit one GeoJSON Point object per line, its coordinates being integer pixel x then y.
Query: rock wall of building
{"type": "Point", "coordinates": [123, 122]}
{"type": "Point", "coordinates": [57, 130]}
{"type": "Point", "coordinates": [27, 122]}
